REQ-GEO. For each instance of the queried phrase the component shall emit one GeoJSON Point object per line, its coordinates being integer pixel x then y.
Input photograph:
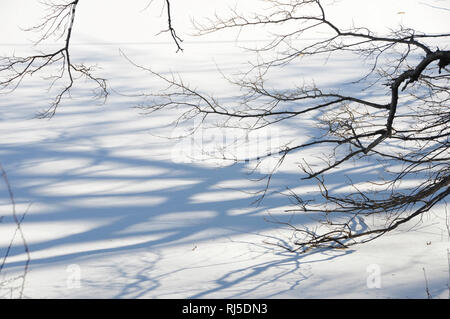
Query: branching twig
{"type": "Point", "coordinates": [18, 223]}
{"type": "Point", "coordinates": [407, 126]}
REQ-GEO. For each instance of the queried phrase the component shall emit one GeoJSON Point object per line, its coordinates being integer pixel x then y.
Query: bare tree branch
{"type": "Point", "coordinates": [59, 23]}
{"type": "Point", "coordinates": [19, 230]}
{"type": "Point", "coordinates": [407, 127]}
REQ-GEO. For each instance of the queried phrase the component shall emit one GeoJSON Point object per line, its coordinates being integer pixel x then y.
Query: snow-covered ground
{"type": "Point", "coordinates": [115, 209]}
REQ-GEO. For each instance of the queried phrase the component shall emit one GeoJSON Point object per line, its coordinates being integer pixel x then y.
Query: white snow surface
{"type": "Point", "coordinates": [111, 201]}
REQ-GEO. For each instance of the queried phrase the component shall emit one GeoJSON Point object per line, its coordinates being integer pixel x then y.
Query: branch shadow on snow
{"type": "Point", "coordinates": [107, 188]}
{"type": "Point", "coordinates": [119, 203]}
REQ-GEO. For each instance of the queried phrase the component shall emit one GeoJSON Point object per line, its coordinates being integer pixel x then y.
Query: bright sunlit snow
{"type": "Point", "coordinates": [113, 199]}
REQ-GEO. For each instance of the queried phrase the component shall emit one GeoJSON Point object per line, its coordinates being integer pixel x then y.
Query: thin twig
{"type": "Point", "coordinates": [18, 229]}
